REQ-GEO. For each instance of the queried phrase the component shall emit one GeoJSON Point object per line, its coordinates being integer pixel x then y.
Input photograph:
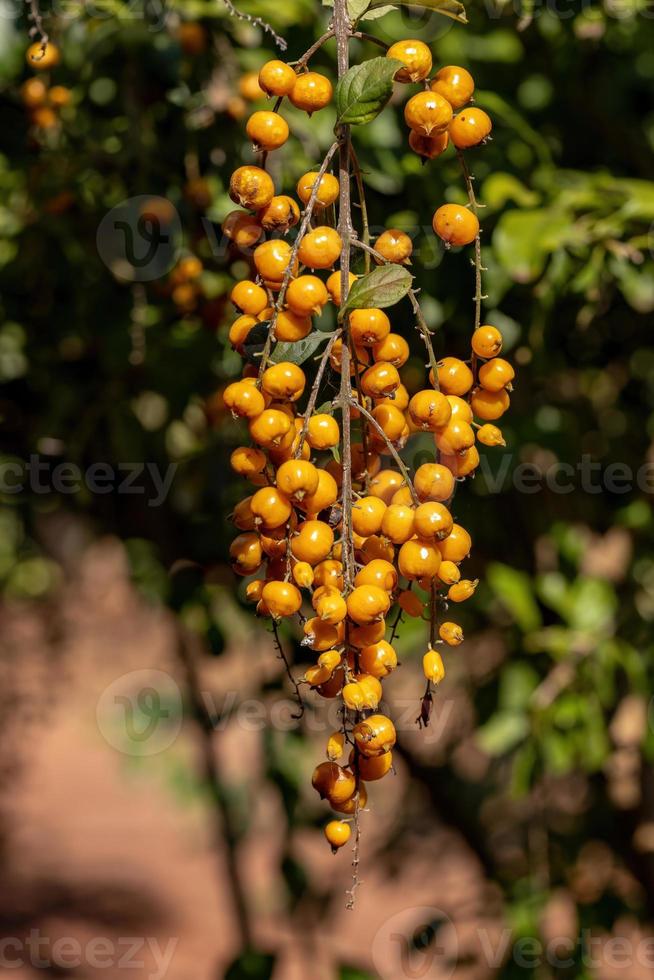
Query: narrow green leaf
{"type": "Point", "coordinates": [502, 732]}
{"type": "Point", "coordinates": [299, 351]}
{"type": "Point", "coordinates": [364, 90]}
{"type": "Point", "coordinates": [449, 8]}
{"type": "Point", "coordinates": [382, 287]}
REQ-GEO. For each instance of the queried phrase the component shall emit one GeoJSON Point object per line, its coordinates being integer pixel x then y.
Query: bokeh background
{"type": "Point", "coordinates": [153, 782]}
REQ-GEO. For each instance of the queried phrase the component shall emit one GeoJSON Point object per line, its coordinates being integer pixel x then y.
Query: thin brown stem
{"type": "Point", "coordinates": [392, 450]}
{"type": "Point", "coordinates": [257, 22]}
{"type": "Point", "coordinates": [474, 206]}
{"type": "Point", "coordinates": [302, 62]}
{"type": "Point", "coordinates": [315, 388]}
{"type": "Point", "coordinates": [361, 194]}
{"type": "Point", "coordinates": [282, 656]}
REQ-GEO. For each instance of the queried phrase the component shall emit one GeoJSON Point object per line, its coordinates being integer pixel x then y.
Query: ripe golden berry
{"type": "Point", "coordinates": [489, 405]}
{"type": "Point", "coordinates": [366, 604]}
{"type": "Point", "coordinates": [454, 377]}
{"type": "Point", "coordinates": [303, 574]}
{"type": "Point", "coordinates": [276, 78]}
{"type": "Point", "coordinates": [496, 374]}
{"type": "Point", "coordinates": [429, 147]}
{"type": "Point", "coordinates": [33, 93]}
{"type": "Point", "coordinates": [325, 496]}
{"type": "Point", "coordinates": [284, 381]}
{"type": "Point", "coordinates": [433, 667]}
{"type": "Point", "coordinates": [428, 113]}
{"type": "Point", "coordinates": [267, 130]}
{"type": "Point", "coordinates": [330, 607]}
{"type": "Point", "coordinates": [271, 428]}
{"type": "Point", "coordinates": [363, 694]}
{"type": "Point", "coordinates": [486, 341]}
{"type": "Point", "coordinates": [394, 349]}
{"type": "Point", "coordinates": [242, 515]}
{"type": "Point", "coordinates": [254, 589]}
{"type": "Point", "coordinates": [249, 297]}
{"type": "Point", "coordinates": [40, 58]}
{"type": "Point", "coordinates": [270, 507]}
{"type": "Point", "coordinates": [394, 245]}
{"type": "Point", "coordinates": [329, 573]}
{"type": "Point", "coordinates": [415, 56]}
{"type": "Point", "coordinates": [327, 193]}
{"type": "Point", "coordinates": [460, 591]}
{"type": "Point", "coordinates": [313, 542]}
{"type": "Point", "coordinates": [418, 559]}
{"type": "Point", "coordinates": [351, 805]}
{"type": "Point", "coordinates": [242, 228]}
{"type": "Point", "coordinates": [392, 422]}
{"type": "Point", "coordinates": [456, 437]}
{"type": "Point", "coordinates": [334, 285]}
{"type": "Point", "coordinates": [430, 410]}
{"type": "Point", "coordinates": [380, 380]}
{"type": "Point", "coordinates": [272, 259]}
{"type": "Point", "coordinates": [297, 478]}
{"type": "Point", "coordinates": [374, 736]}
{"type": "Point", "coordinates": [378, 659]}
{"type": "Point", "coordinates": [322, 636]}
{"type": "Point", "coordinates": [311, 92]}
{"type": "Point", "coordinates": [385, 483]}
{"type": "Point", "coordinates": [490, 435]}
{"type": "Point", "coordinates": [280, 214]}
{"type": "Point", "coordinates": [281, 598]}
{"type": "Point", "coordinates": [369, 326]}
{"type": "Point", "coordinates": [456, 546]}
{"type": "Point", "coordinates": [248, 461]}
{"type": "Point", "coordinates": [367, 515]}
{"type": "Point", "coordinates": [335, 746]}
{"type": "Point", "coordinates": [455, 84]}
{"type": "Point", "coordinates": [379, 572]}
{"type": "Point", "coordinates": [372, 768]}
{"type": "Point", "coordinates": [337, 833]}
{"type": "Point", "coordinates": [251, 187]}
{"type": "Point", "coordinates": [59, 96]}
{"type": "Point", "coordinates": [291, 327]}
{"type": "Point", "coordinates": [333, 782]}
{"type": "Point", "coordinates": [433, 521]}
{"type": "Point", "coordinates": [306, 295]}
{"type": "Point", "coordinates": [320, 248]}
{"type": "Point", "coordinates": [433, 482]}
{"type": "Point", "coordinates": [239, 330]}
{"type": "Point", "coordinates": [461, 410]}
{"type": "Point", "coordinates": [470, 127]}
{"type": "Point", "coordinates": [323, 431]}
{"type": "Point", "coordinates": [451, 633]}
{"type": "Point", "coordinates": [246, 553]}
{"type": "Point", "coordinates": [244, 399]}
{"type": "Point", "coordinates": [463, 464]}
{"type": "Point", "coordinates": [398, 523]}
{"type": "Point", "coordinates": [455, 225]}
{"type": "Point", "coordinates": [449, 573]}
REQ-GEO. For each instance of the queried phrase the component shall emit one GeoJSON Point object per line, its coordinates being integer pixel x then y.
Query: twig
{"type": "Point", "coordinates": [257, 22]}
{"type": "Point", "coordinates": [282, 656]}
{"type": "Point", "coordinates": [361, 194]}
{"type": "Point", "coordinates": [37, 29]}
{"type": "Point", "coordinates": [474, 206]}
{"type": "Point", "coordinates": [315, 388]}
{"type": "Point", "coordinates": [391, 448]}
{"type": "Point", "coordinates": [362, 36]}
{"type": "Point", "coordinates": [308, 55]}
{"type": "Point", "coordinates": [288, 275]}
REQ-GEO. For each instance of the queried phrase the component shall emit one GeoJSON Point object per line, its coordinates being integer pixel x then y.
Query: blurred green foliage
{"type": "Point", "coordinates": [96, 369]}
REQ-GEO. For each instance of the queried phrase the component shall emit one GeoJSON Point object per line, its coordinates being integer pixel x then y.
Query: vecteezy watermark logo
{"type": "Point", "coordinates": [418, 943]}
{"type": "Point", "coordinates": [66, 954]}
{"type": "Point", "coordinates": [139, 239]}
{"type": "Point", "coordinates": [141, 713]}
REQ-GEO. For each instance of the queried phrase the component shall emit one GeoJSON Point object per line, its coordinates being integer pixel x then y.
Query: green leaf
{"type": "Point", "coordinates": [524, 240]}
{"type": "Point", "coordinates": [450, 8]}
{"type": "Point", "coordinates": [513, 589]}
{"type": "Point", "coordinates": [382, 287]}
{"type": "Point", "coordinates": [364, 90]}
{"type": "Point", "coordinates": [299, 351]}
{"type": "Point", "coordinates": [502, 732]}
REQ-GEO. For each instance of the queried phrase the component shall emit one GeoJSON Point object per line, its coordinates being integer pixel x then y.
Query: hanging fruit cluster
{"type": "Point", "coordinates": [336, 527]}
{"type": "Point", "coordinates": [44, 103]}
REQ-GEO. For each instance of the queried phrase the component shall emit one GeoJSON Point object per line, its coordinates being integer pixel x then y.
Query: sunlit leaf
{"type": "Point", "coordinates": [382, 287]}
{"type": "Point", "coordinates": [364, 90]}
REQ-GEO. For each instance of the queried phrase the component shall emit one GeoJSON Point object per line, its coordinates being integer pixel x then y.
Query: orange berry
{"type": "Point", "coordinates": [433, 521]}
{"type": "Point", "coordinates": [451, 633]}
{"type": "Point", "coordinates": [320, 248]}
{"type": "Point", "coordinates": [461, 410]}
{"type": "Point", "coordinates": [362, 636]}
{"type": "Point", "coordinates": [454, 377]}
{"type": "Point", "coordinates": [351, 805]}
{"type": "Point", "coordinates": [455, 224]}
{"type": "Point", "coordinates": [297, 478]}
{"type": "Point", "coordinates": [254, 589]}
{"type": "Point", "coordinates": [486, 341]}
{"type": "Point", "coordinates": [284, 381]}
{"type": "Point", "coordinates": [460, 591]}
{"type": "Point", "coordinates": [366, 604]}
{"type": "Point", "coordinates": [242, 515]}
{"type": "Point", "coordinates": [303, 575]}
{"type": "Point", "coordinates": [327, 193]}
{"type": "Point", "coordinates": [367, 515]}
{"type": "Point", "coordinates": [271, 428]}
{"type": "Point", "coordinates": [398, 523]}
{"type": "Point", "coordinates": [456, 546]}
{"type": "Point", "coordinates": [323, 431]}
{"type": "Point", "coordinates": [276, 78]}
{"type": "Point", "coordinates": [334, 285]}
{"type": "Point", "coordinates": [496, 374]}
{"type": "Point", "coordinates": [329, 573]}
{"type": "Point", "coordinates": [281, 598]}
{"type": "Point", "coordinates": [330, 607]}
{"type": "Point", "coordinates": [333, 782]}
{"type": "Point", "coordinates": [313, 542]}
{"type": "Point", "coordinates": [325, 496]}
{"type": "Point", "coordinates": [392, 422]}
{"type": "Point", "coordinates": [400, 397]}
{"type": "Point", "coordinates": [280, 214]}
{"type": "Point", "coordinates": [490, 435]}
{"type": "Point", "coordinates": [417, 559]}
{"type": "Point", "coordinates": [449, 573]}
{"type": "Point", "coordinates": [378, 659]}
{"type": "Point", "coordinates": [239, 330]}
{"type": "Point", "coordinates": [489, 405]}
{"type": "Point", "coordinates": [242, 228]}
{"type": "Point", "coordinates": [311, 92]}
{"type": "Point", "coordinates": [272, 259]}
{"type": "Point", "coordinates": [379, 572]}
{"type": "Point", "coordinates": [433, 482]}
{"type": "Point", "coordinates": [33, 93]}
{"type": "Point", "coordinates": [290, 327]}
{"type": "Point", "coordinates": [271, 507]}
{"type": "Point", "coordinates": [394, 349]}
{"type": "Point", "coordinates": [433, 667]}
{"type": "Point", "coordinates": [246, 553]}
{"type": "Point", "coordinates": [306, 295]}
{"type": "Point", "coordinates": [429, 147]}
{"type": "Point", "coordinates": [415, 56]}
{"type": "Point", "coordinates": [385, 483]}
{"type": "Point", "coordinates": [249, 297]}
{"type": "Point", "coordinates": [249, 87]}
{"type": "Point", "coordinates": [267, 130]}
{"type": "Point", "coordinates": [394, 245]}
{"type": "Point", "coordinates": [322, 636]}
{"type": "Point", "coordinates": [40, 59]}
{"type": "Point", "coordinates": [251, 187]}
{"type": "Point", "coordinates": [359, 696]}
{"type": "Point", "coordinates": [456, 437]}
{"type": "Point", "coordinates": [248, 461]}
{"type": "Point", "coordinates": [455, 84]}
{"type": "Point", "coordinates": [244, 399]}
{"type": "Point", "coordinates": [373, 768]}
{"type": "Point", "coordinates": [463, 464]}
{"type": "Point", "coordinates": [428, 113]}
{"type": "Point", "coordinates": [337, 833]}
{"type": "Point", "coordinates": [369, 327]}
{"type": "Point", "coordinates": [429, 410]}
{"type": "Point", "coordinates": [380, 380]}
{"type": "Point", "coordinates": [374, 736]}
{"type": "Point", "coordinates": [470, 127]}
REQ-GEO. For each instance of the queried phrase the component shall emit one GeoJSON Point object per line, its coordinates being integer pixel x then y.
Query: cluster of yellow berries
{"type": "Point", "coordinates": [43, 102]}
{"type": "Point", "coordinates": [293, 538]}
